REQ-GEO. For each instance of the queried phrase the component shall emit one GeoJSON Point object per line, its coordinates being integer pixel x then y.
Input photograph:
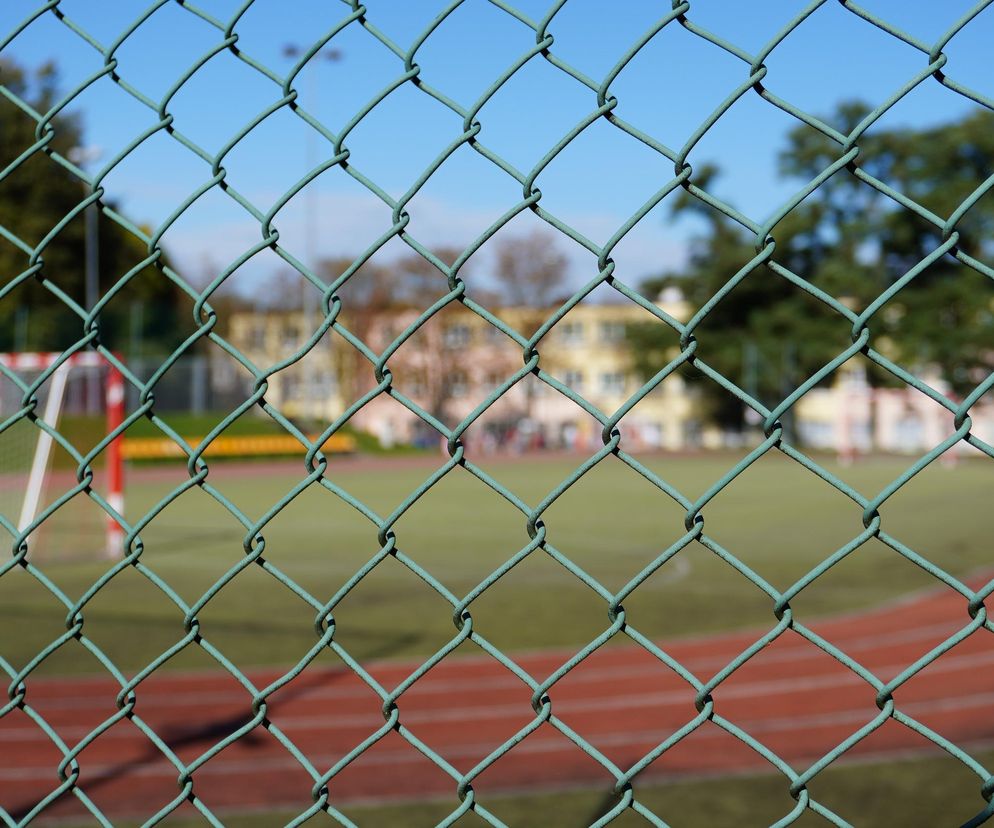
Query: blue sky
{"type": "Point", "coordinates": [595, 184]}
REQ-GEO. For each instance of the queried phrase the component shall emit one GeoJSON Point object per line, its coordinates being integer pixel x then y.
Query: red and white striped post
{"type": "Point", "coordinates": [114, 461]}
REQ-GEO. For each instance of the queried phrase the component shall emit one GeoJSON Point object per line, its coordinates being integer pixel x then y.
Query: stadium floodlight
{"type": "Point", "coordinates": [26, 449]}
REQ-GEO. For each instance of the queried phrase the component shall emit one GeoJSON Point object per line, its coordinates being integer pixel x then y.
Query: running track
{"type": "Point", "coordinates": [791, 696]}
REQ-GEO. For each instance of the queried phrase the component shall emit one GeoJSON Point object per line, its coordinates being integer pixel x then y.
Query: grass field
{"type": "Point", "coordinates": [915, 793]}
{"type": "Point", "coordinates": [777, 517]}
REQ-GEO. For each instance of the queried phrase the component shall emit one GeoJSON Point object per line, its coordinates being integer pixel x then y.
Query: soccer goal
{"type": "Point", "coordinates": [83, 397]}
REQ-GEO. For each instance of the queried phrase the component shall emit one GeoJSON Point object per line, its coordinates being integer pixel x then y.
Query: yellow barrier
{"type": "Point", "coordinates": [162, 448]}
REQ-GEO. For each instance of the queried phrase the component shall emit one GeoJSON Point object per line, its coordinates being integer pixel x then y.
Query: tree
{"type": "Point", "coordinates": [376, 294]}
{"type": "Point", "coordinates": [531, 273]}
{"type": "Point", "coordinates": [852, 242]}
{"type": "Point", "coordinates": [35, 196]}
{"type": "Point", "coordinates": [531, 277]}
{"type": "Point", "coordinates": [943, 319]}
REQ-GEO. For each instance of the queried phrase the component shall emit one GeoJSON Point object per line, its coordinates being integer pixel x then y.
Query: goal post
{"type": "Point", "coordinates": [27, 366]}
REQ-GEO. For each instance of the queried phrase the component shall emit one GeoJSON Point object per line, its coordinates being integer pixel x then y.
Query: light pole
{"type": "Point", "coordinates": [310, 217]}
{"type": "Point", "coordinates": [86, 155]}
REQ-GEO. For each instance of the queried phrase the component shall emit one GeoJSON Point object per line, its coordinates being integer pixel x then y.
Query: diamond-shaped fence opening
{"type": "Point", "coordinates": [304, 606]}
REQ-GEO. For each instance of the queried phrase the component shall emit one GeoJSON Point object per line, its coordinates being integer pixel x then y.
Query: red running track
{"type": "Point", "coordinates": [792, 697]}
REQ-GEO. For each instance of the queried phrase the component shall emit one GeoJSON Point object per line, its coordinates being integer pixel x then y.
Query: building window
{"type": "Point", "coordinates": [571, 333]}
{"type": "Point", "coordinates": [223, 376]}
{"type": "Point", "coordinates": [290, 385]}
{"type": "Point", "coordinates": [493, 381]}
{"type": "Point", "coordinates": [613, 382]}
{"type": "Point", "coordinates": [326, 383]}
{"type": "Point", "coordinates": [456, 336]}
{"type": "Point", "coordinates": [854, 378]}
{"type": "Point", "coordinates": [692, 433]}
{"type": "Point", "coordinates": [290, 336]}
{"type": "Point", "coordinates": [533, 387]}
{"type": "Point", "coordinates": [456, 384]}
{"type": "Point", "coordinates": [574, 381]}
{"type": "Point", "coordinates": [388, 332]}
{"type": "Point", "coordinates": [257, 337]}
{"type": "Point", "coordinates": [654, 434]}
{"type": "Point", "coordinates": [612, 332]}
{"type": "Point", "coordinates": [413, 386]}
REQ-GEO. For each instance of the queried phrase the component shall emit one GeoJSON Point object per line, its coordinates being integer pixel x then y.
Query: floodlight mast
{"type": "Point", "coordinates": [291, 50]}
{"type": "Point", "coordinates": [83, 156]}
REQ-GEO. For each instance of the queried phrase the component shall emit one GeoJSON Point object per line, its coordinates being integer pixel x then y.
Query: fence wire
{"type": "Point", "coordinates": [603, 103]}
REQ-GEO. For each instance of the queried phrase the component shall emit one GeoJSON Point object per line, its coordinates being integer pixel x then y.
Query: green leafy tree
{"type": "Point", "coordinates": [852, 242]}
{"type": "Point", "coordinates": [35, 196]}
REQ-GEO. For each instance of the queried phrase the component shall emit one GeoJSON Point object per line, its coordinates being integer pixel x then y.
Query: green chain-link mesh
{"type": "Point", "coordinates": [603, 104]}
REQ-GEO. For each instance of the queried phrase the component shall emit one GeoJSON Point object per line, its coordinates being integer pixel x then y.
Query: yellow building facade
{"type": "Point", "coordinates": [458, 360]}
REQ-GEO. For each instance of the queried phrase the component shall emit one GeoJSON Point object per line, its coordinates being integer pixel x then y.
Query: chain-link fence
{"type": "Point", "coordinates": [704, 691]}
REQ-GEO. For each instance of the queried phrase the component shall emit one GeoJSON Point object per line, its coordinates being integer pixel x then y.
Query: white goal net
{"type": "Point", "coordinates": [82, 399]}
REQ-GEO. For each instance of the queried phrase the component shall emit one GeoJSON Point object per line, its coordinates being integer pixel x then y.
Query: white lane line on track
{"type": "Point", "coordinates": [367, 722]}
{"type": "Point", "coordinates": [904, 605]}
{"type": "Point", "coordinates": [795, 652]}
{"type": "Point", "coordinates": [640, 740]}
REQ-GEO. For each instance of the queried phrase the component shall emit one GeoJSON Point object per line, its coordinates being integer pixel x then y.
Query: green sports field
{"type": "Point", "coordinates": [914, 793]}
{"type": "Point", "coordinates": [778, 518]}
